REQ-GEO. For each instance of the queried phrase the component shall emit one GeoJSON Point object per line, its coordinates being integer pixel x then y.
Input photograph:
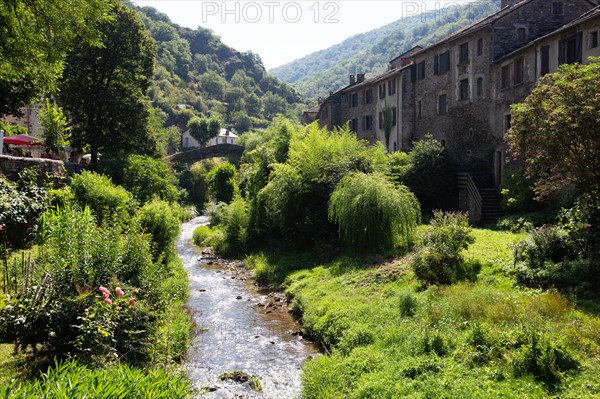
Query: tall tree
{"type": "Point", "coordinates": [35, 36]}
{"type": "Point", "coordinates": [103, 89]}
{"type": "Point", "coordinates": [204, 129]}
{"type": "Point", "coordinates": [54, 124]}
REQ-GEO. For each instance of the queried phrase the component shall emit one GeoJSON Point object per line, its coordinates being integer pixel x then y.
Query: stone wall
{"type": "Point", "coordinates": [11, 166]}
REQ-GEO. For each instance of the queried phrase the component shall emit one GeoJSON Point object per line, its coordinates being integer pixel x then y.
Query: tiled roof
{"type": "Point", "coordinates": [376, 79]}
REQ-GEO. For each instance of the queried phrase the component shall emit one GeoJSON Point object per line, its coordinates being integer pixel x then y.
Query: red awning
{"type": "Point", "coordinates": [22, 139]}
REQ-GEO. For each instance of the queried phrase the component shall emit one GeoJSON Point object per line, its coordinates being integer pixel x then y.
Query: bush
{"type": "Point", "coordinates": [157, 219]}
{"type": "Point", "coordinates": [517, 192]}
{"type": "Point", "coordinates": [20, 206]}
{"type": "Point", "coordinates": [440, 260]}
{"type": "Point", "coordinates": [234, 226]}
{"type": "Point", "coordinates": [148, 178]}
{"type": "Point", "coordinates": [372, 213]}
{"type": "Point", "coordinates": [195, 181]}
{"type": "Point", "coordinates": [202, 235]}
{"type": "Point", "coordinates": [222, 183]}
{"type": "Point", "coordinates": [106, 200]}
{"type": "Point", "coordinates": [430, 175]}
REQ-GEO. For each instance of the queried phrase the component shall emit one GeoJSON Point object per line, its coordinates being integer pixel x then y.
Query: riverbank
{"type": "Point", "coordinates": [388, 337]}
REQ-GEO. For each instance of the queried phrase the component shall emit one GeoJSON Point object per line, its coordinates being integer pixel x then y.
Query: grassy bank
{"type": "Point", "coordinates": [386, 336]}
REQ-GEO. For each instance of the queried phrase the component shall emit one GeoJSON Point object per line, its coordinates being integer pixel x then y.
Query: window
{"type": "Point", "coordinates": [353, 100]}
{"type": "Point", "coordinates": [479, 87]}
{"type": "Point", "coordinates": [442, 104]}
{"type": "Point", "coordinates": [441, 63]}
{"type": "Point", "coordinates": [521, 34]}
{"type": "Point", "coordinates": [381, 120]}
{"type": "Point", "coordinates": [569, 49]}
{"type": "Point", "coordinates": [464, 89]}
{"type": "Point", "coordinates": [368, 96]}
{"type": "Point", "coordinates": [392, 87]}
{"type": "Point", "coordinates": [367, 122]}
{"type": "Point", "coordinates": [545, 67]}
{"type": "Point", "coordinates": [394, 116]}
{"type": "Point", "coordinates": [421, 70]}
{"type": "Point", "coordinates": [186, 142]}
{"type": "Point", "coordinates": [354, 125]}
{"type": "Point", "coordinates": [518, 71]}
{"type": "Point", "coordinates": [507, 122]}
{"type": "Point", "coordinates": [480, 47]}
{"type": "Point", "coordinates": [557, 7]}
{"type": "Point", "coordinates": [382, 90]}
{"type": "Point", "coordinates": [463, 53]}
{"type": "Point", "coordinates": [594, 39]}
{"type": "Point", "coordinates": [419, 109]}
{"type": "Point", "coordinates": [506, 76]}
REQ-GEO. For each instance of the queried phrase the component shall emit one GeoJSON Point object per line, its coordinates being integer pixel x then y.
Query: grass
{"type": "Point", "coordinates": [386, 336]}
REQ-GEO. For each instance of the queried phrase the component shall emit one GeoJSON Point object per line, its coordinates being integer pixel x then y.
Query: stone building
{"type": "Point", "coordinates": [30, 120]}
{"type": "Point", "coordinates": [460, 89]}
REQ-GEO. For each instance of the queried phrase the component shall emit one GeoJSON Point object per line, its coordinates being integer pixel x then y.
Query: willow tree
{"type": "Point", "coordinates": [371, 212]}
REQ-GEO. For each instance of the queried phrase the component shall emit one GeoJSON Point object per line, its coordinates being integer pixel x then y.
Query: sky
{"type": "Point", "coordinates": [281, 31]}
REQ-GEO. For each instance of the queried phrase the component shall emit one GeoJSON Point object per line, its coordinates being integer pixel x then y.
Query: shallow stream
{"type": "Point", "coordinates": [238, 328]}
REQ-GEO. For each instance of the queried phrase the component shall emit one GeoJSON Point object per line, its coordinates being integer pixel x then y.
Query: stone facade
{"type": "Point", "coordinates": [460, 89]}
{"type": "Point", "coordinates": [30, 120]}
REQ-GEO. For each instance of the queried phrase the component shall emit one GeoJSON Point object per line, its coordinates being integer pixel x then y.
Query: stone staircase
{"type": "Point", "coordinates": [491, 209]}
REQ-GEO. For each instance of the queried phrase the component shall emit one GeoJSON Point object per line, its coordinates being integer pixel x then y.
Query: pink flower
{"type": "Point", "coordinates": [119, 291]}
{"type": "Point", "coordinates": [136, 291]}
{"type": "Point", "coordinates": [132, 302]}
{"type": "Point", "coordinates": [105, 295]}
{"type": "Point", "coordinates": [104, 290]}
{"type": "Point", "coordinates": [108, 301]}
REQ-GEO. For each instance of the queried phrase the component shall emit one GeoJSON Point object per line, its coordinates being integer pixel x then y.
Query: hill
{"type": "Point", "coordinates": [197, 74]}
{"type": "Point", "coordinates": [327, 70]}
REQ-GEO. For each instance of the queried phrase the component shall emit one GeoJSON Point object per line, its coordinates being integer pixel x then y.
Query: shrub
{"type": "Point", "coordinates": [104, 198]}
{"type": "Point", "coordinates": [20, 206]}
{"type": "Point", "coordinates": [408, 305]}
{"type": "Point", "coordinates": [372, 213]}
{"type": "Point", "coordinates": [157, 219]}
{"type": "Point", "coordinates": [195, 181]}
{"type": "Point", "coordinates": [222, 183]}
{"type": "Point", "coordinates": [545, 361]}
{"type": "Point", "coordinates": [146, 178]}
{"type": "Point", "coordinates": [235, 228]}
{"type": "Point", "coordinates": [430, 175]}
{"type": "Point", "coordinates": [517, 192]}
{"type": "Point", "coordinates": [440, 260]}
{"type": "Point", "coordinates": [202, 235]}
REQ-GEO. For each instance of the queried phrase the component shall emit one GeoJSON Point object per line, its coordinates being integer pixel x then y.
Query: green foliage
{"type": "Point", "coordinates": [54, 125]}
{"type": "Point", "coordinates": [235, 221]}
{"type": "Point", "coordinates": [157, 219]}
{"type": "Point", "coordinates": [204, 129]}
{"type": "Point", "coordinates": [294, 201]}
{"type": "Point", "coordinates": [556, 130]}
{"type": "Point", "coordinates": [20, 205]}
{"type": "Point", "coordinates": [222, 184]}
{"type": "Point", "coordinates": [430, 175]}
{"type": "Point", "coordinates": [148, 178]}
{"type": "Point", "coordinates": [440, 260]}
{"type": "Point", "coordinates": [517, 192]}
{"type": "Point", "coordinates": [202, 235]}
{"type": "Point", "coordinates": [199, 76]}
{"type": "Point", "coordinates": [372, 213]}
{"type": "Point", "coordinates": [195, 181]}
{"type": "Point", "coordinates": [103, 89]}
{"type": "Point", "coordinates": [36, 37]}
{"type": "Point", "coordinates": [104, 198]}
{"type": "Point", "coordinates": [73, 380]}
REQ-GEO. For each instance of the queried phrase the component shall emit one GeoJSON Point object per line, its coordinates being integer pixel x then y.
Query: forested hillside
{"type": "Point", "coordinates": [198, 75]}
{"type": "Point", "coordinates": [319, 73]}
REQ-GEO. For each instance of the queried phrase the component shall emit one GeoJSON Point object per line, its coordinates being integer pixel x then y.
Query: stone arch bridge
{"type": "Point", "coordinates": [232, 152]}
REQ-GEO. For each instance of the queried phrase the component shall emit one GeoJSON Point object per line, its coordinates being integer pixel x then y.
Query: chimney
{"type": "Point", "coordinates": [352, 79]}
{"type": "Point", "coordinates": [360, 77]}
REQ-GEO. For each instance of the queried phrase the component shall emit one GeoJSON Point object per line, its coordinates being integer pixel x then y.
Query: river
{"type": "Point", "coordinates": [238, 330]}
